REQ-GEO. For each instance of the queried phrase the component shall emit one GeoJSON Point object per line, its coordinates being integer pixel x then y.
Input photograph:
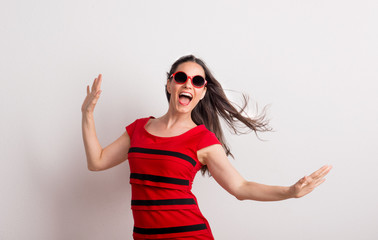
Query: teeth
{"type": "Point", "coordinates": [186, 94]}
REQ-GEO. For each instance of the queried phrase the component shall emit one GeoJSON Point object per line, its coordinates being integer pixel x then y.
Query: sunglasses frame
{"type": "Point", "coordinates": [189, 77]}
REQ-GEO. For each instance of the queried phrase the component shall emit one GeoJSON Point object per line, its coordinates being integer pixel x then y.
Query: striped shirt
{"type": "Point", "coordinates": [162, 170]}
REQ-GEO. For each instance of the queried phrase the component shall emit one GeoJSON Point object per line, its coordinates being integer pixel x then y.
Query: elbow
{"type": "Point", "coordinates": [239, 192]}
{"type": "Point", "coordinates": [94, 163]}
{"type": "Point", "coordinates": [239, 197]}
{"type": "Point", "coordinates": [94, 167]}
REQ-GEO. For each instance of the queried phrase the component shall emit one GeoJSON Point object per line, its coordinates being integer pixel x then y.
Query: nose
{"type": "Point", "coordinates": [188, 83]}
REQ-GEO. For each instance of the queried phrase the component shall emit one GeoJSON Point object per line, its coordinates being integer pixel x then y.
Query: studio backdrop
{"type": "Point", "coordinates": [312, 63]}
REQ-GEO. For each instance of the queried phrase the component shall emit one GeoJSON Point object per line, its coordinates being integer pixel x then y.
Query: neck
{"type": "Point", "coordinates": [183, 119]}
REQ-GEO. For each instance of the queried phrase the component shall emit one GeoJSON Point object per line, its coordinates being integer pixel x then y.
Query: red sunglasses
{"type": "Point", "coordinates": [197, 81]}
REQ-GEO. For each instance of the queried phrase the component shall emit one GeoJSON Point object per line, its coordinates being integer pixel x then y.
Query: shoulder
{"type": "Point", "coordinates": [203, 131]}
{"type": "Point", "coordinates": [137, 124]}
{"type": "Point", "coordinates": [206, 138]}
{"type": "Point", "coordinates": [143, 120]}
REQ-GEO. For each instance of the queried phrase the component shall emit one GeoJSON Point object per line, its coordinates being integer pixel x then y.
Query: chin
{"type": "Point", "coordinates": [184, 110]}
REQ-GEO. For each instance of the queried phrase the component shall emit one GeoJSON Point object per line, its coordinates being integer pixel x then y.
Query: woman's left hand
{"type": "Point", "coordinates": [308, 183]}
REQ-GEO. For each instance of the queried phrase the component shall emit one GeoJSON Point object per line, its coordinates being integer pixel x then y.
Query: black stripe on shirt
{"type": "Point", "coordinates": [180, 229]}
{"type": "Point", "coordinates": [181, 201]}
{"type": "Point", "coordinates": [155, 178]}
{"type": "Point", "coordinates": [163, 152]}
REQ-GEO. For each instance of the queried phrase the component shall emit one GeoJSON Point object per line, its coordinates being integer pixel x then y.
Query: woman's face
{"type": "Point", "coordinates": [184, 97]}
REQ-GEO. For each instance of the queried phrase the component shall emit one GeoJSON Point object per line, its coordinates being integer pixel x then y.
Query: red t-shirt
{"type": "Point", "coordinates": [162, 170]}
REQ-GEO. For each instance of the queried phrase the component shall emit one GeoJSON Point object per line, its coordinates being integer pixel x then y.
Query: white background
{"type": "Point", "coordinates": [314, 62]}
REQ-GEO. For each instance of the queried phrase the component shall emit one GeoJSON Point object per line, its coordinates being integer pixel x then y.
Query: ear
{"type": "Point", "coordinates": [169, 86]}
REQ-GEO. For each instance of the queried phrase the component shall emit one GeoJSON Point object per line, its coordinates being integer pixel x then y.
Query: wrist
{"type": "Point", "coordinates": [87, 114]}
{"type": "Point", "coordinates": [290, 192]}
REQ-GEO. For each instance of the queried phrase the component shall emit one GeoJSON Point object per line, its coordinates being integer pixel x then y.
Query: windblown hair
{"type": "Point", "coordinates": [215, 104]}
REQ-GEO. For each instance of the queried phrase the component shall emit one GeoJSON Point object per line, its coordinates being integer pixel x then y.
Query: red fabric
{"type": "Point", "coordinates": [162, 172]}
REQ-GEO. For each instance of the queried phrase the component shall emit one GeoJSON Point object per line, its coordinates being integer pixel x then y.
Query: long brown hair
{"type": "Point", "coordinates": [215, 104]}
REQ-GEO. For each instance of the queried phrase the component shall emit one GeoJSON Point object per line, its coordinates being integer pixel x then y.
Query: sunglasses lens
{"type": "Point", "coordinates": [180, 77]}
{"type": "Point", "coordinates": [198, 81]}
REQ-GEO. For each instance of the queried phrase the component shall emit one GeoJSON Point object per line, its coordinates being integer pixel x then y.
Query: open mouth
{"type": "Point", "coordinates": [185, 98]}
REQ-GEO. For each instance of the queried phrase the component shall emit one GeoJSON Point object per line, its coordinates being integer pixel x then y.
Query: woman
{"type": "Point", "coordinates": [165, 153]}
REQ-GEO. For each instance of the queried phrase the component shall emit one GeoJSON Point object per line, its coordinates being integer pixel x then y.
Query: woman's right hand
{"type": "Point", "coordinates": [92, 96]}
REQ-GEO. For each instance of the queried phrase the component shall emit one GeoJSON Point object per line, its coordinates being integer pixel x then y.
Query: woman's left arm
{"type": "Point", "coordinates": [229, 178]}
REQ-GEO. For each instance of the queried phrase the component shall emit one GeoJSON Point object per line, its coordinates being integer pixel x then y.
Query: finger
{"type": "Point", "coordinates": [302, 181]}
{"type": "Point", "coordinates": [319, 171]}
{"type": "Point", "coordinates": [319, 182]}
{"type": "Point", "coordinates": [97, 84]}
{"type": "Point", "coordinates": [95, 97]}
{"type": "Point", "coordinates": [324, 172]}
{"type": "Point", "coordinates": [99, 81]}
{"type": "Point", "coordinates": [88, 92]}
{"type": "Point", "coordinates": [93, 85]}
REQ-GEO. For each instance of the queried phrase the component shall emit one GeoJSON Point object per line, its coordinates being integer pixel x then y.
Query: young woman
{"type": "Point", "coordinates": [165, 153]}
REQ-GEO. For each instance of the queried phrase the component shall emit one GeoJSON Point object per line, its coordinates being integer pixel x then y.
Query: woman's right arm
{"type": "Point", "coordinates": [98, 158]}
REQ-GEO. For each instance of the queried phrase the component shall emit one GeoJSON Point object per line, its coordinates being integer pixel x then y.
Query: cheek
{"type": "Point", "coordinates": [199, 95]}
{"type": "Point", "coordinates": [202, 94]}
{"type": "Point", "coordinates": [173, 88]}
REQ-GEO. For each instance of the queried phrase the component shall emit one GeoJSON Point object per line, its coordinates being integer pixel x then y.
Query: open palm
{"type": "Point", "coordinates": [93, 95]}
{"type": "Point", "coordinates": [308, 183]}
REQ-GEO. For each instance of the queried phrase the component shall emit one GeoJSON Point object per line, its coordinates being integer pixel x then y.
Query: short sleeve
{"type": "Point", "coordinates": [208, 139]}
{"type": "Point", "coordinates": [130, 128]}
